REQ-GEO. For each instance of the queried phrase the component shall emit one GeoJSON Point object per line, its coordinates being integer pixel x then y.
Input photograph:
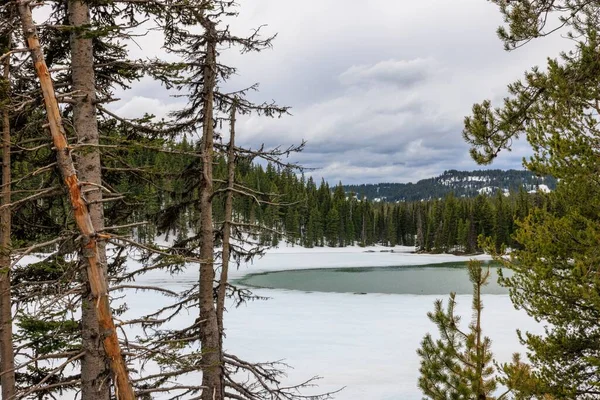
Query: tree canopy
{"type": "Point", "coordinates": [556, 265]}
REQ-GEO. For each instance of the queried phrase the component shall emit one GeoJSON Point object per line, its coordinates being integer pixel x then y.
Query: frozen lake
{"type": "Point", "coordinates": [365, 343]}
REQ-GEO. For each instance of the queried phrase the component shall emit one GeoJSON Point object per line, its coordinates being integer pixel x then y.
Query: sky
{"type": "Point", "coordinates": [378, 89]}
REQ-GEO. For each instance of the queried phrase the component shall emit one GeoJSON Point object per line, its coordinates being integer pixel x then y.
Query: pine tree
{"type": "Point", "coordinates": [555, 264]}
{"type": "Point", "coordinates": [502, 221]}
{"type": "Point", "coordinates": [202, 72]}
{"type": "Point", "coordinates": [332, 227]}
{"type": "Point", "coordinates": [458, 365]}
{"type": "Point", "coordinates": [420, 239]}
{"type": "Point", "coordinates": [92, 252]}
{"type": "Point", "coordinates": [85, 124]}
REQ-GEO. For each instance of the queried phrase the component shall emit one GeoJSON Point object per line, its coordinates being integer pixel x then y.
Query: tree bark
{"type": "Point", "coordinates": [226, 254]}
{"type": "Point", "coordinates": [7, 358]}
{"type": "Point", "coordinates": [212, 368]}
{"type": "Point", "coordinates": [96, 279]}
{"type": "Point", "coordinates": [94, 371]}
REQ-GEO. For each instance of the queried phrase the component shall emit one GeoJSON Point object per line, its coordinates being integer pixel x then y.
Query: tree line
{"type": "Point", "coordinates": [310, 215]}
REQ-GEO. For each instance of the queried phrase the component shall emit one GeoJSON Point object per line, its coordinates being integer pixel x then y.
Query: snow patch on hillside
{"type": "Point", "coordinates": [541, 188]}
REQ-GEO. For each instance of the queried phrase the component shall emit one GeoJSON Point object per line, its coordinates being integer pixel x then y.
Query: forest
{"type": "Point", "coordinates": [93, 202]}
{"type": "Point", "coordinates": [311, 215]}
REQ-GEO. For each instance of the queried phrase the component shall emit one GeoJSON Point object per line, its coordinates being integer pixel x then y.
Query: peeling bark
{"type": "Point", "coordinates": [90, 252]}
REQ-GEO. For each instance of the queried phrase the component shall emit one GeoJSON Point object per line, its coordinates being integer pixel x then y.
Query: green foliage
{"type": "Point", "coordinates": [458, 365]}
{"type": "Point", "coordinates": [556, 280]}
{"type": "Point", "coordinates": [555, 261]}
{"type": "Point", "coordinates": [48, 336]}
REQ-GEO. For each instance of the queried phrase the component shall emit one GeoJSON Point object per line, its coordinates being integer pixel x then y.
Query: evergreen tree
{"type": "Point", "coordinates": [458, 365]}
{"type": "Point", "coordinates": [555, 264]}
{"type": "Point", "coordinates": [420, 239]}
{"type": "Point", "coordinates": [332, 227]}
{"type": "Point", "coordinates": [483, 219]}
{"type": "Point", "coordinates": [502, 221]}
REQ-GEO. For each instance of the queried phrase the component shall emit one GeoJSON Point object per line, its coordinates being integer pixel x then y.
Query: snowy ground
{"type": "Point", "coordinates": [365, 343]}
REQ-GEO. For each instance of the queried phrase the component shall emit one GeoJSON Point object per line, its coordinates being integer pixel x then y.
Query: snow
{"type": "Point", "coordinates": [365, 343]}
{"type": "Point", "coordinates": [541, 188]}
{"type": "Point", "coordinates": [487, 190]}
{"type": "Point", "coordinates": [477, 178]}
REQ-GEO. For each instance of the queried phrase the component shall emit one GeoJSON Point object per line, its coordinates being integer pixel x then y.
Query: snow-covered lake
{"type": "Point", "coordinates": [365, 343]}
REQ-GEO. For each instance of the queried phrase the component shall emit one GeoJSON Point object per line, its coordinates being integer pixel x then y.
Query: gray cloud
{"type": "Point", "coordinates": [401, 73]}
{"type": "Point", "coordinates": [379, 89]}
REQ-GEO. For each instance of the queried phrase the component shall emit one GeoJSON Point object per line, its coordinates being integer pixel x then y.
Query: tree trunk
{"type": "Point", "coordinates": [226, 254]}
{"type": "Point", "coordinates": [97, 281]}
{"type": "Point", "coordinates": [212, 368]}
{"type": "Point", "coordinates": [7, 358]}
{"type": "Point", "coordinates": [478, 347]}
{"type": "Point", "coordinates": [94, 371]}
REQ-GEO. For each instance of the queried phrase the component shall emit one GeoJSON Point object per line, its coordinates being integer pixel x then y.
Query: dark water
{"type": "Point", "coordinates": [417, 280]}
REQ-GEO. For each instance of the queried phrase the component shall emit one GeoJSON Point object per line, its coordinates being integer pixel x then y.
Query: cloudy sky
{"type": "Point", "coordinates": [378, 88]}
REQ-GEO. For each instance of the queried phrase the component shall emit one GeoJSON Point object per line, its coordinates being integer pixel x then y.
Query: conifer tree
{"type": "Point", "coordinates": [94, 255]}
{"type": "Point", "coordinates": [332, 223]}
{"type": "Point", "coordinates": [202, 73]}
{"type": "Point", "coordinates": [555, 266]}
{"type": "Point", "coordinates": [458, 365]}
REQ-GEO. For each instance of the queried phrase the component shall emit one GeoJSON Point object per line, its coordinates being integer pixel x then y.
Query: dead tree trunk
{"type": "Point", "coordinates": [7, 358]}
{"type": "Point", "coordinates": [94, 371]}
{"type": "Point", "coordinates": [226, 254]}
{"type": "Point", "coordinates": [212, 367]}
{"type": "Point", "coordinates": [96, 279]}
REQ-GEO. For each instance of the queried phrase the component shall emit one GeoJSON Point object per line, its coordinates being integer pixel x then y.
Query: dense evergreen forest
{"type": "Point", "coordinates": [303, 212]}
{"type": "Point", "coordinates": [319, 215]}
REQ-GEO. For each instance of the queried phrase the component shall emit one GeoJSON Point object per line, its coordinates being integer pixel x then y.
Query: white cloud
{"type": "Point", "coordinates": [138, 106]}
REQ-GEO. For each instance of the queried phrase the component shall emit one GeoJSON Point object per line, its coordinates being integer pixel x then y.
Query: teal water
{"type": "Point", "coordinates": [429, 279]}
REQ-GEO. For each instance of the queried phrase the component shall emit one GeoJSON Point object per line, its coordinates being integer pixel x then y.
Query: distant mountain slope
{"type": "Point", "coordinates": [462, 183]}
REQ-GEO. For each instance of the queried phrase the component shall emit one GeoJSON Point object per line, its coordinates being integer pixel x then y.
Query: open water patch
{"type": "Point", "coordinates": [431, 279]}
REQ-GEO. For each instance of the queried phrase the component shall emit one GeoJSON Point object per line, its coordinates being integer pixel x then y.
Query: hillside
{"type": "Point", "coordinates": [462, 183]}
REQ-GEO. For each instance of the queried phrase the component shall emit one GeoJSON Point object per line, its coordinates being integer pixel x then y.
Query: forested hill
{"type": "Point", "coordinates": [461, 183]}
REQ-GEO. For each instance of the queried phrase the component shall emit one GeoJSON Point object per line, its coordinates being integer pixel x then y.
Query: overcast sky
{"type": "Point", "coordinates": [378, 88]}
